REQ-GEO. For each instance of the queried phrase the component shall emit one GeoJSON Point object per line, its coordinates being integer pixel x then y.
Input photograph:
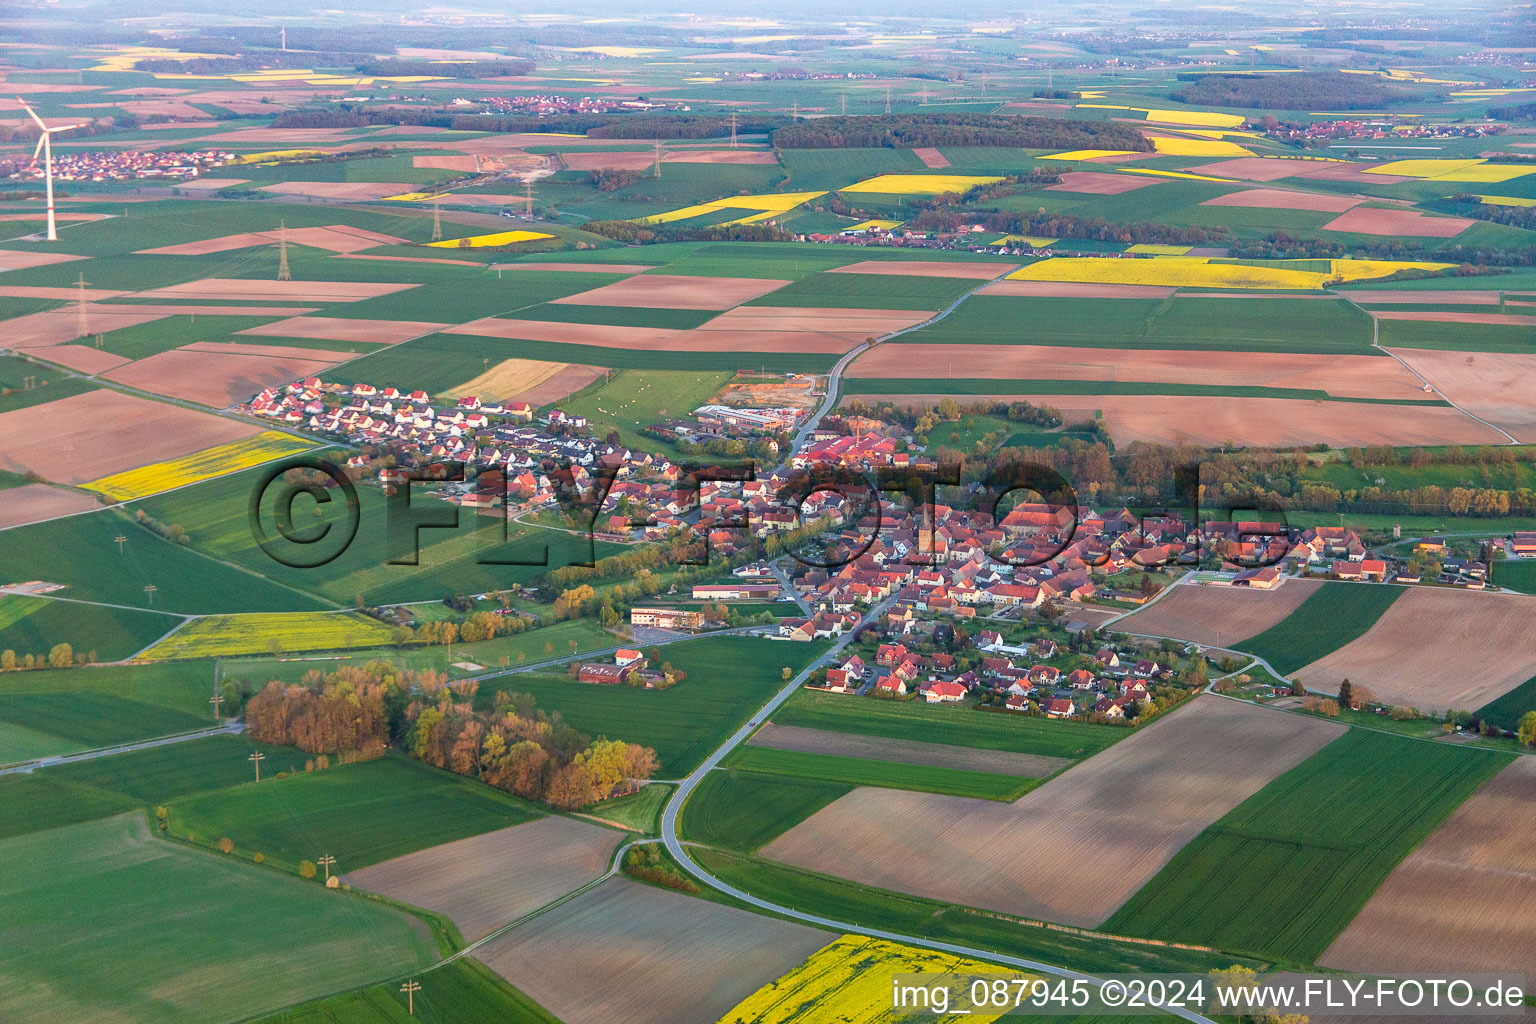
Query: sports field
{"type": "Point", "coordinates": [181, 925]}
{"type": "Point", "coordinates": [1283, 874]}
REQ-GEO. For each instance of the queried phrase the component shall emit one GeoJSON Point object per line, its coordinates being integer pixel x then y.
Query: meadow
{"type": "Point", "coordinates": [956, 726]}
{"type": "Point", "coordinates": [360, 813]}
{"type": "Point", "coordinates": [1287, 870]}
{"type": "Point", "coordinates": [33, 625]}
{"type": "Point", "coordinates": [859, 771]}
{"type": "Point", "coordinates": [632, 399]}
{"type": "Point", "coordinates": [181, 924]}
{"type": "Point", "coordinates": [1331, 617]}
{"type": "Point", "coordinates": [640, 811]}
{"type": "Point", "coordinates": [729, 678]}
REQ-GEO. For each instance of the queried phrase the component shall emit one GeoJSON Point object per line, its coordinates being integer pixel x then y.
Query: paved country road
{"type": "Point", "coordinates": [25, 767]}
{"type": "Point", "coordinates": [679, 851]}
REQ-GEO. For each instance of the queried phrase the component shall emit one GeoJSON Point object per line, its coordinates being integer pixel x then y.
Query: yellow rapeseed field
{"type": "Point", "coordinates": [189, 469]}
{"type": "Point", "coordinates": [920, 184]}
{"type": "Point", "coordinates": [415, 197]}
{"type": "Point", "coordinates": [1206, 118]}
{"type": "Point", "coordinates": [265, 632]}
{"type": "Point", "coordinates": [1149, 249]}
{"type": "Point", "coordinates": [1369, 270]}
{"type": "Point", "coordinates": [1176, 174]}
{"type": "Point", "coordinates": [1198, 147]}
{"type": "Point", "coordinates": [849, 982]}
{"type": "Point", "coordinates": [1199, 272]}
{"type": "Point", "coordinates": [867, 225]}
{"type": "Point", "coordinates": [768, 205]}
{"type": "Point", "coordinates": [490, 241]}
{"type": "Point", "coordinates": [1089, 154]}
{"type": "Point", "coordinates": [1455, 170]}
{"type": "Point", "coordinates": [1506, 201]}
{"type": "Point", "coordinates": [276, 154]}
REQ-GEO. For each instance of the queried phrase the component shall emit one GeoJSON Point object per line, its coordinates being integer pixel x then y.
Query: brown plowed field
{"type": "Point", "coordinates": [335, 238]}
{"type": "Point", "coordinates": [1077, 847]}
{"type": "Point", "coordinates": [217, 379]}
{"type": "Point", "coordinates": [236, 348]}
{"type": "Point", "coordinates": [22, 291]}
{"type": "Point", "coordinates": [1493, 385]}
{"type": "Point", "coordinates": [1464, 900]}
{"type": "Point", "coordinates": [1100, 183]}
{"type": "Point", "coordinates": [1368, 220]}
{"type": "Point", "coordinates": [928, 268]}
{"type": "Point", "coordinates": [1444, 317]}
{"type": "Point", "coordinates": [930, 157]}
{"type": "Point", "coordinates": [32, 503]}
{"type": "Point", "coordinates": [634, 160]}
{"type": "Point", "coordinates": [489, 880]}
{"type": "Point", "coordinates": [627, 952]}
{"type": "Point", "coordinates": [277, 291]}
{"type": "Point", "coordinates": [1252, 168]}
{"type": "Point", "coordinates": [676, 291]}
{"type": "Point", "coordinates": [61, 326]}
{"type": "Point", "coordinates": [934, 755]}
{"type": "Point", "coordinates": [84, 358]}
{"type": "Point", "coordinates": [331, 328]}
{"type": "Point", "coordinates": [578, 268]}
{"type": "Point", "coordinates": [11, 259]}
{"type": "Point", "coordinates": [85, 437]}
{"type": "Point", "coordinates": [1280, 199]}
{"type": "Point", "coordinates": [343, 190]}
{"type": "Point", "coordinates": [1437, 649]}
{"type": "Point", "coordinates": [1345, 376]}
{"type": "Point", "coordinates": [1076, 290]}
{"type": "Point", "coordinates": [870, 322]}
{"type": "Point", "coordinates": [210, 184]}
{"type": "Point", "coordinates": [1218, 616]}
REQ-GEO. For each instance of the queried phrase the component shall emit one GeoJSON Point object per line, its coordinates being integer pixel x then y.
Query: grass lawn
{"type": "Point", "coordinates": [743, 810]}
{"type": "Point", "coordinates": [360, 813]}
{"type": "Point", "coordinates": [728, 678]}
{"type": "Point", "coordinates": [860, 771]}
{"type": "Point", "coordinates": [640, 811]}
{"type": "Point", "coordinates": [1334, 615]}
{"type": "Point", "coordinates": [1287, 870]}
{"type": "Point", "coordinates": [961, 727]}
{"type": "Point", "coordinates": [632, 399]}
{"type": "Point", "coordinates": [462, 992]}
{"type": "Point", "coordinates": [876, 908]}
{"type": "Point", "coordinates": [181, 926]}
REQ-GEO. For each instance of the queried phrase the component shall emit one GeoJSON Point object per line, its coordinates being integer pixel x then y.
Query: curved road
{"type": "Point", "coordinates": [680, 852]}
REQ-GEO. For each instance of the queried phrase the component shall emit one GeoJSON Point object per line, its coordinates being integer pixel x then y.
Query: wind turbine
{"type": "Point", "coordinates": [45, 147]}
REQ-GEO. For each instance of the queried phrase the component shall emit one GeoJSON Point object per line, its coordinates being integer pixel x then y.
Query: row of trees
{"type": "Point", "coordinates": [957, 129]}
{"type": "Point", "coordinates": [60, 655]}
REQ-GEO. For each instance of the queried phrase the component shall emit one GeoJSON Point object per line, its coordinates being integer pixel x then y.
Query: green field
{"type": "Point", "coordinates": [83, 721]}
{"type": "Point", "coordinates": [640, 811]}
{"type": "Point", "coordinates": [1334, 615]}
{"type": "Point", "coordinates": [144, 340]}
{"type": "Point", "coordinates": [464, 991]}
{"type": "Point", "coordinates": [33, 625]}
{"type": "Point", "coordinates": [743, 810]}
{"type": "Point", "coordinates": [185, 688]}
{"type": "Point", "coordinates": [360, 813]}
{"type": "Point", "coordinates": [182, 926]}
{"type": "Point", "coordinates": [859, 771]}
{"type": "Point", "coordinates": [1515, 574]}
{"type": "Point", "coordinates": [1458, 337]}
{"type": "Point", "coordinates": [47, 383]}
{"type": "Point", "coordinates": [632, 399]}
{"type": "Point", "coordinates": [1287, 870]}
{"type": "Point", "coordinates": [160, 774]}
{"type": "Point", "coordinates": [1505, 711]}
{"type": "Point", "coordinates": [872, 291]}
{"type": "Point", "coordinates": [958, 386]}
{"type": "Point", "coordinates": [960, 727]}
{"type": "Point", "coordinates": [729, 678]}
{"type": "Point", "coordinates": [39, 801]}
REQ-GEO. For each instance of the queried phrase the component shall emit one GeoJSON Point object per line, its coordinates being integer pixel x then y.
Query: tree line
{"type": "Point", "coordinates": [904, 131]}
{"type": "Point", "coordinates": [1305, 90]}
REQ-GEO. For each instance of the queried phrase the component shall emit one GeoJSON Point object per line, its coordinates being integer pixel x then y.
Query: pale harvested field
{"type": "Point", "coordinates": [334, 238]}
{"type": "Point", "coordinates": [627, 953]}
{"type": "Point", "coordinates": [1437, 649]}
{"type": "Point", "coordinates": [84, 358]}
{"type": "Point", "coordinates": [1465, 899]}
{"type": "Point", "coordinates": [1461, 297]}
{"type": "Point", "coordinates": [509, 379]}
{"type": "Point", "coordinates": [930, 157]}
{"type": "Point", "coordinates": [1445, 317]}
{"type": "Point", "coordinates": [489, 880]}
{"type": "Point", "coordinates": [11, 259]}
{"type": "Point", "coordinates": [238, 348]}
{"type": "Point", "coordinates": [1251, 168]}
{"type": "Point", "coordinates": [1076, 290]}
{"type": "Point", "coordinates": [1280, 199]}
{"type": "Point", "coordinates": [218, 378]}
{"type": "Point", "coordinates": [664, 340]}
{"type": "Point", "coordinates": [578, 268]}
{"type": "Point", "coordinates": [1493, 385]}
{"type": "Point", "coordinates": [86, 437]}
{"type": "Point", "coordinates": [1345, 172]}
{"type": "Point", "coordinates": [61, 326]}
{"type": "Point", "coordinates": [870, 322]}
{"type": "Point", "coordinates": [32, 503]}
{"type": "Point", "coordinates": [934, 755]}
{"type": "Point", "coordinates": [447, 162]}
{"type": "Point", "coordinates": [344, 190]}
{"type": "Point", "coordinates": [22, 291]}
{"type": "Point", "coordinates": [1345, 376]}
{"type": "Point", "coordinates": [676, 291]}
{"type": "Point", "coordinates": [1367, 220]}
{"type": "Point", "coordinates": [928, 268]}
{"type": "Point", "coordinates": [1218, 616]}
{"type": "Point", "coordinates": [277, 291]}
{"type": "Point", "coordinates": [1101, 183]}
{"type": "Point", "coordinates": [1107, 825]}
{"type": "Point", "coordinates": [637, 160]}
{"type": "Point", "coordinates": [60, 217]}
{"type": "Point", "coordinates": [331, 328]}
{"type": "Point", "coordinates": [210, 184]}
{"type": "Point", "coordinates": [405, 259]}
